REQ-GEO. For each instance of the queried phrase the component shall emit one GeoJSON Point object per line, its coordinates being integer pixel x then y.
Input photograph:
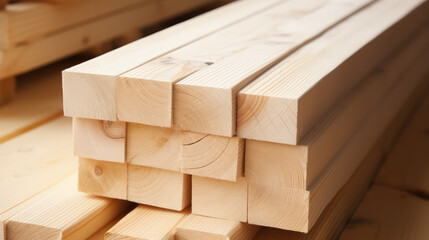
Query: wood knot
{"type": "Point", "coordinates": [98, 171]}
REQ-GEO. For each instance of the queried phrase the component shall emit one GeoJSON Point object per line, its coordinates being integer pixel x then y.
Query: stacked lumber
{"type": "Point", "coordinates": [272, 126]}
{"type": "Point", "coordinates": [36, 33]}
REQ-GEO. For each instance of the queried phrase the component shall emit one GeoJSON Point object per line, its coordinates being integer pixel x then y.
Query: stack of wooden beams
{"type": "Point", "coordinates": [35, 33]}
{"type": "Point", "coordinates": [269, 108]}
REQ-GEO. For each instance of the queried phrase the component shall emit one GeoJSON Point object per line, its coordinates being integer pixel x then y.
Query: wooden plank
{"type": "Point", "coordinates": [220, 199]}
{"type": "Point", "coordinates": [100, 140]}
{"type": "Point", "coordinates": [7, 89]}
{"type": "Point", "coordinates": [284, 104]}
{"type": "Point", "coordinates": [199, 227]}
{"type": "Point", "coordinates": [387, 213]}
{"type": "Point", "coordinates": [99, 235]}
{"type": "Point", "coordinates": [102, 178]}
{"type": "Point", "coordinates": [160, 188]}
{"type": "Point", "coordinates": [298, 210]}
{"type": "Point", "coordinates": [212, 156]}
{"type": "Point", "coordinates": [298, 166]}
{"type": "Point", "coordinates": [89, 88]}
{"type": "Point", "coordinates": [153, 147]}
{"type": "Point", "coordinates": [406, 167]}
{"type": "Point", "coordinates": [65, 214]}
{"type": "Point", "coordinates": [147, 223]}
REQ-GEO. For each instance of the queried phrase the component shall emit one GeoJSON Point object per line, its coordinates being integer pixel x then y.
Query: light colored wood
{"type": "Point", "coordinates": [220, 199]}
{"type": "Point", "coordinates": [298, 210]}
{"type": "Point", "coordinates": [205, 100]}
{"type": "Point", "coordinates": [153, 146]}
{"type": "Point", "coordinates": [103, 178]}
{"type": "Point", "coordinates": [7, 89]}
{"type": "Point", "coordinates": [406, 167]}
{"type": "Point", "coordinates": [38, 100]}
{"type": "Point", "coordinates": [90, 88]}
{"type": "Point", "coordinates": [286, 102]}
{"type": "Point", "coordinates": [160, 188]}
{"type": "Point", "coordinates": [147, 223]}
{"type": "Point", "coordinates": [100, 140]}
{"type": "Point", "coordinates": [387, 213]}
{"type": "Point", "coordinates": [212, 156]}
{"type": "Point", "coordinates": [65, 214]}
{"type": "Point", "coordinates": [205, 228]}
{"type": "Point", "coordinates": [99, 235]}
{"type": "Point", "coordinates": [298, 166]}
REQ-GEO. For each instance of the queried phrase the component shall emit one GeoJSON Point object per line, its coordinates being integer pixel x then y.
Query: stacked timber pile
{"type": "Point", "coordinates": [260, 113]}
{"type": "Point", "coordinates": [36, 33]}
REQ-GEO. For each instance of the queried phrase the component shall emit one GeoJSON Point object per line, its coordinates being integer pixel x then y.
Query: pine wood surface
{"type": "Point", "coordinates": [99, 235]}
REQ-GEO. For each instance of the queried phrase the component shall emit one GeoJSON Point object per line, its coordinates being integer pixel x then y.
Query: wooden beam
{"type": "Point", "coordinates": [298, 210]}
{"type": "Point", "coordinates": [103, 178]}
{"type": "Point", "coordinates": [153, 147]}
{"type": "Point", "coordinates": [100, 140]}
{"type": "Point", "coordinates": [160, 188]}
{"type": "Point", "coordinates": [298, 166]}
{"type": "Point", "coordinates": [273, 108]}
{"type": "Point", "coordinates": [7, 89]}
{"type": "Point", "coordinates": [3, 3]}
{"type": "Point", "coordinates": [205, 101]}
{"type": "Point", "coordinates": [199, 227]}
{"type": "Point", "coordinates": [396, 213]}
{"type": "Point", "coordinates": [99, 235]}
{"type": "Point", "coordinates": [220, 199]}
{"type": "Point", "coordinates": [145, 222]}
{"type": "Point", "coordinates": [89, 88]}
{"type": "Point", "coordinates": [212, 156]}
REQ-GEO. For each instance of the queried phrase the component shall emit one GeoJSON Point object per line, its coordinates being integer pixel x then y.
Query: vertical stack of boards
{"type": "Point", "coordinates": [260, 113]}
{"type": "Point", "coordinates": [36, 33]}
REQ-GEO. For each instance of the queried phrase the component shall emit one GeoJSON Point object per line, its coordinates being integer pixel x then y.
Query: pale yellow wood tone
{"type": "Point", "coordinates": [387, 213]}
{"type": "Point", "coordinates": [205, 228]}
{"type": "Point", "coordinates": [287, 101]}
{"type": "Point", "coordinates": [147, 223]}
{"type": "Point", "coordinates": [38, 100]}
{"type": "Point", "coordinates": [220, 199]}
{"type": "Point", "coordinates": [205, 101]}
{"type": "Point", "coordinates": [153, 146]}
{"type": "Point", "coordinates": [7, 89]}
{"type": "Point", "coordinates": [212, 156]}
{"type": "Point", "coordinates": [65, 214]}
{"type": "Point", "coordinates": [303, 207]}
{"type": "Point", "coordinates": [103, 178]}
{"type": "Point", "coordinates": [160, 188]}
{"type": "Point", "coordinates": [99, 235]}
{"type": "Point", "coordinates": [407, 166]}
{"type": "Point", "coordinates": [90, 88]}
{"type": "Point", "coordinates": [100, 140]}
{"type": "Point", "coordinates": [298, 166]}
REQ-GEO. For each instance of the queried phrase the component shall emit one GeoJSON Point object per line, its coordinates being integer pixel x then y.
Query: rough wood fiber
{"type": "Point", "coordinates": [7, 89]}
{"type": "Point", "coordinates": [147, 223]}
{"type": "Point", "coordinates": [103, 178]}
{"type": "Point", "coordinates": [160, 188]}
{"type": "Point", "coordinates": [298, 166]}
{"type": "Point", "coordinates": [298, 210]}
{"type": "Point", "coordinates": [387, 213]}
{"type": "Point", "coordinates": [156, 147]}
{"type": "Point", "coordinates": [205, 228]}
{"type": "Point", "coordinates": [220, 199]}
{"type": "Point", "coordinates": [100, 140]}
{"type": "Point", "coordinates": [93, 83]}
{"type": "Point", "coordinates": [212, 156]}
{"type": "Point", "coordinates": [285, 103]}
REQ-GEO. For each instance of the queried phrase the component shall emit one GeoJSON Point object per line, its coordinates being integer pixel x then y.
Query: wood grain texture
{"type": "Point", "coordinates": [212, 156]}
{"type": "Point", "coordinates": [7, 89]}
{"type": "Point", "coordinates": [156, 147]}
{"type": "Point", "coordinates": [103, 178]}
{"type": "Point", "coordinates": [387, 213]}
{"type": "Point", "coordinates": [96, 78]}
{"type": "Point", "coordinates": [160, 188]}
{"type": "Point", "coordinates": [100, 140]}
{"type": "Point", "coordinates": [220, 199]}
{"type": "Point", "coordinates": [99, 235]}
{"type": "Point", "coordinates": [65, 214]}
{"type": "Point", "coordinates": [147, 223]}
{"type": "Point", "coordinates": [298, 166]}
{"type": "Point", "coordinates": [283, 104]}
{"type": "Point", "coordinates": [205, 228]}
{"type": "Point", "coordinates": [303, 207]}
